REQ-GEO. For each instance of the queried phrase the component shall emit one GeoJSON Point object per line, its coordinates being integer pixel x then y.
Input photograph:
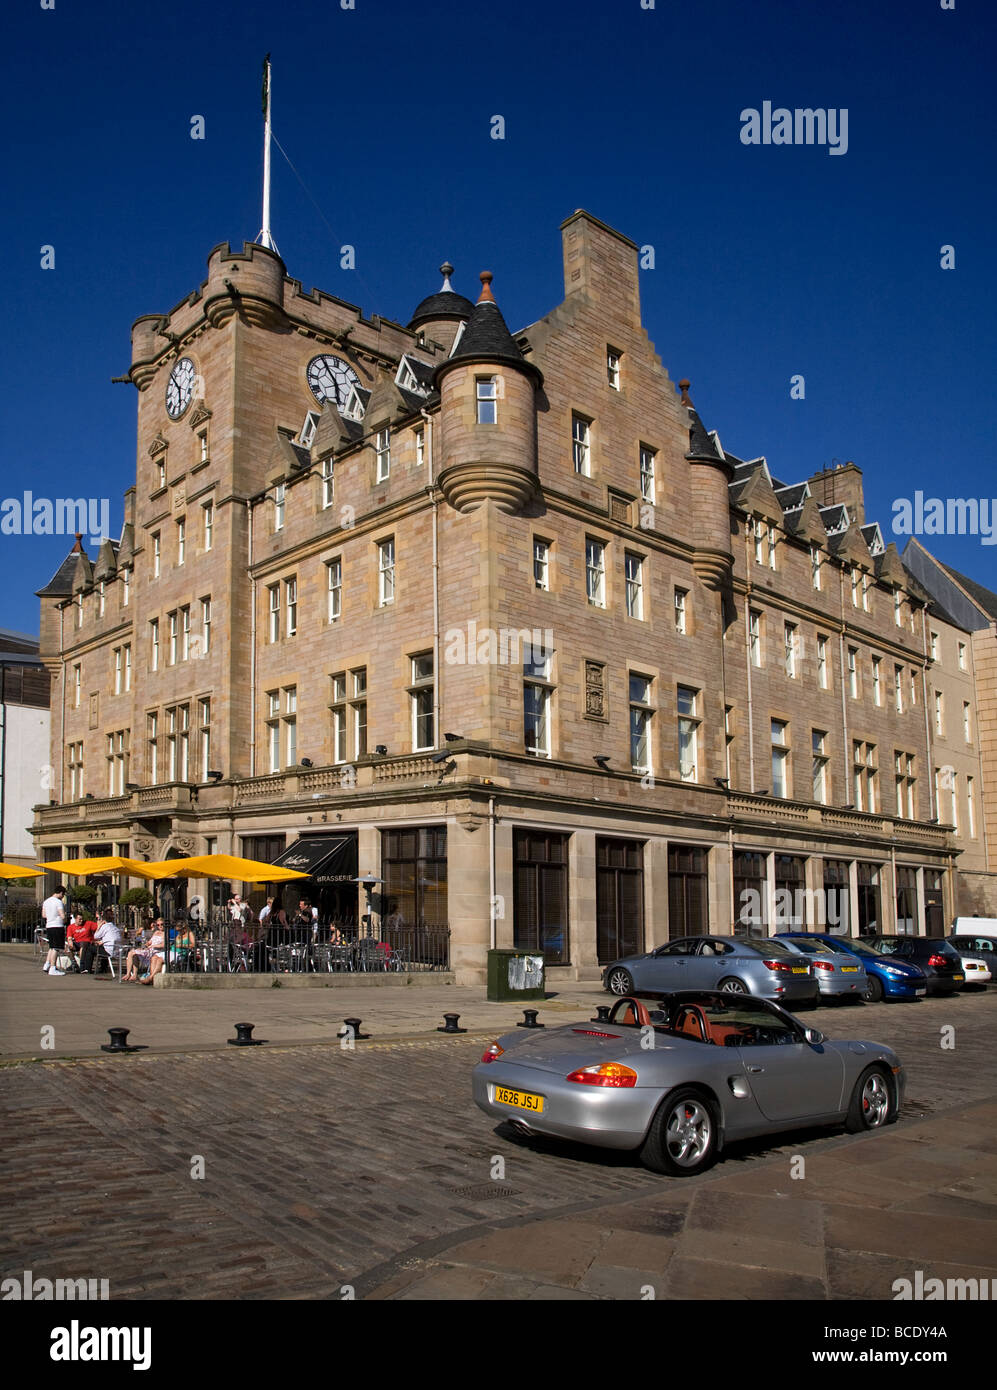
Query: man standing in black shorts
{"type": "Point", "coordinates": [54, 913]}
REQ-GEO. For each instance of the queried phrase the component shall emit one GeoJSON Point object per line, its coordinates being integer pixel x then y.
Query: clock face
{"type": "Point", "coordinates": [180, 388]}
{"type": "Point", "coordinates": [331, 379]}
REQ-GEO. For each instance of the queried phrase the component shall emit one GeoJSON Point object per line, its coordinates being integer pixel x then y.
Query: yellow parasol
{"type": "Point", "coordinates": [16, 871]}
{"type": "Point", "coordinates": [106, 864]}
{"type": "Point", "coordinates": [225, 866]}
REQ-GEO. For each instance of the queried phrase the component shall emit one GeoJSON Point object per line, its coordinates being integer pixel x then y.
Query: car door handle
{"type": "Point", "coordinates": [756, 1069]}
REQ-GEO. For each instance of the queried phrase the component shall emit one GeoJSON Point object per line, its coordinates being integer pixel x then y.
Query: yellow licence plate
{"type": "Point", "coordinates": [800, 970]}
{"type": "Point", "coordinates": [849, 969]}
{"type": "Point", "coordinates": [522, 1100]}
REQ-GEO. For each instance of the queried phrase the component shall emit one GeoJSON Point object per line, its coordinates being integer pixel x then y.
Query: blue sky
{"type": "Point", "coordinates": [769, 260]}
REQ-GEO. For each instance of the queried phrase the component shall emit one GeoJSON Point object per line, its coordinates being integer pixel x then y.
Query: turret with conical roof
{"type": "Point", "coordinates": [440, 315]}
{"type": "Point", "coordinates": [488, 414]}
{"type": "Point", "coordinates": [710, 474]}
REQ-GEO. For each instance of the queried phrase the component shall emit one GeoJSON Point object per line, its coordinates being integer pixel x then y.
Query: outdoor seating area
{"type": "Point", "coordinates": [222, 949]}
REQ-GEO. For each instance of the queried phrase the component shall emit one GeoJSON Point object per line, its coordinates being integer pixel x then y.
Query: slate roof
{"type": "Point", "coordinates": [61, 583]}
{"type": "Point", "coordinates": [487, 338]}
{"type": "Point", "coordinates": [445, 304]}
{"type": "Point", "coordinates": [702, 444]}
{"type": "Point", "coordinates": [986, 598]}
{"type": "Point", "coordinates": [791, 495]}
{"type": "Point", "coordinates": [415, 403]}
{"type": "Point", "coordinates": [835, 517]}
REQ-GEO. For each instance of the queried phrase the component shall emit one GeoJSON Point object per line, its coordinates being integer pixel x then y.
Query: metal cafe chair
{"type": "Point", "coordinates": [370, 955]}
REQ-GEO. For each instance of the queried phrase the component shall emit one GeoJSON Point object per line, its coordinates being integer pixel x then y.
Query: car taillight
{"type": "Point", "coordinates": [822, 965]}
{"type": "Point", "coordinates": [492, 1053]}
{"type": "Point", "coordinates": [936, 960]}
{"type": "Point", "coordinates": [778, 965]}
{"type": "Point", "coordinates": [608, 1074]}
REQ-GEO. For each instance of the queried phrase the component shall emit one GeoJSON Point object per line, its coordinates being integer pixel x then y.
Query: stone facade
{"type": "Point", "coordinates": [525, 558]}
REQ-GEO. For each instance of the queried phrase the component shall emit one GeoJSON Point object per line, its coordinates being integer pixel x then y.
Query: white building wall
{"type": "Point", "coordinates": [26, 754]}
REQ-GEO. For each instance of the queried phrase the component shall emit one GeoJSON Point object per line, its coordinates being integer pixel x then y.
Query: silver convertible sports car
{"type": "Point", "coordinates": [679, 1080]}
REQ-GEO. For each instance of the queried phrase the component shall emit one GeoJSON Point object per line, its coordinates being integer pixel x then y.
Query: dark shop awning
{"type": "Point", "coordinates": [325, 858]}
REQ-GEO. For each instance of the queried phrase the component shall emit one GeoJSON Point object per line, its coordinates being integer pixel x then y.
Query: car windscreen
{"type": "Point", "coordinates": [810, 947]}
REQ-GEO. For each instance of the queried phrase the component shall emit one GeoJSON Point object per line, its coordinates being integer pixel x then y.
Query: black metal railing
{"type": "Point", "coordinates": [227, 947]}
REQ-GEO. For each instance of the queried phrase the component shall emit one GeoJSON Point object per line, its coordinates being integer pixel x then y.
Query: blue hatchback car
{"type": "Point", "coordinates": [885, 976]}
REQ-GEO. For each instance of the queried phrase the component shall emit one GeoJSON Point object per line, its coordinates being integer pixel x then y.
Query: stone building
{"type": "Point", "coordinates": [495, 620]}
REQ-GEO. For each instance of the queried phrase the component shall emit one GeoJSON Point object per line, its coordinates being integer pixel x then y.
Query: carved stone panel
{"type": "Point", "coordinates": [596, 705]}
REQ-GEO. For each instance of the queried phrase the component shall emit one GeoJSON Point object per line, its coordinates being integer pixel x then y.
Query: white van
{"type": "Point", "coordinates": [976, 936]}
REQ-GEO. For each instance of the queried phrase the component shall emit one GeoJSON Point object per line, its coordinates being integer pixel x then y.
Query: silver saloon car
{"type": "Point", "coordinates": [681, 1079]}
{"type": "Point", "coordinates": [837, 976]}
{"type": "Point", "coordinates": [760, 966]}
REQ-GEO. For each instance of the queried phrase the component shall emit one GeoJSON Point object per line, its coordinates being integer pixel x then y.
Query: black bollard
{"type": "Point", "coordinates": [530, 1017]}
{"type": "Point", "coordinates": [450, 1024]}
{"type": "Point", "coordinates": [601, 1013]}
{"type": "Point", "coordinates": [119, 1041]}
{"type": "Point", "coordinates": [353, 1023]}
{"type": "Point", "coordinates": [244, 1036]}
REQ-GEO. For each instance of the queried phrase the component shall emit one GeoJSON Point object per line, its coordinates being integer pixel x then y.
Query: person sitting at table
{"type": "Point", "coordinates": [87, 945]}
{"type": "Point", "coordinates": [140, 952]}
{"type": "Point", "coordinates": [77, 935]}
{"type": "Point", "coordinates": [157, 952]}
{"type": "Point", "coordinates": [107, 937]}
{"type": "Point", "coordinates": [183, 946]}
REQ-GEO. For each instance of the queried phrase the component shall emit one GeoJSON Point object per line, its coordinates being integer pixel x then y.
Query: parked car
{"type": "Point", "coordinates": [838, 976]}
{"type": "Point", "coordinates": [763, 967]}
{"type": "Point", "coordinates": [885, 978]}
{"type": "Point", "coordinates": [976, 970]}
{"type": "Point", "coordinates": [939, 961]}
{"type": "Point", "coordinates": [978, 936]}
{"type": "Point", "coordinates": [720, 1067]}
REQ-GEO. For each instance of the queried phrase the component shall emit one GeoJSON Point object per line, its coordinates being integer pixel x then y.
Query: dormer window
{"type": "Point", "coordinates": [353, 407]}
{"type": "Point", "coordinates": [307, 432]}
{"type": "Point", "coordinates": [407, 378]}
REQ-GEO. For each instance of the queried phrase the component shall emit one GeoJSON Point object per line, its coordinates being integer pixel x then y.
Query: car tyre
{"type": "Point", "coordinates": [683, 1137]}
{"type": "Point", "coordinates": [873, 990]}
{"type": "Point", "coordinates": [732, 985]}
{"type": "Point", "coordinates": [620, 981]}
{"type": "Point", "coordinates": [872, 1103]}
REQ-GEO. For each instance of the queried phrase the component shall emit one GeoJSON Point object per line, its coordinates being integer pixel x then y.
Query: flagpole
{"type": "Point", "coordinates": [265, 238]}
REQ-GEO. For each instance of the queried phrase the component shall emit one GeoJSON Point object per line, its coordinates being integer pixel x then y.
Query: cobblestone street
{"type": "Point", "coordinates": [324, 1168]}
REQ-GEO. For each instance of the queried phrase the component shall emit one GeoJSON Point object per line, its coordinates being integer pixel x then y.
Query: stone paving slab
{"type": "Point", "coordinates": [81, 1008]}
